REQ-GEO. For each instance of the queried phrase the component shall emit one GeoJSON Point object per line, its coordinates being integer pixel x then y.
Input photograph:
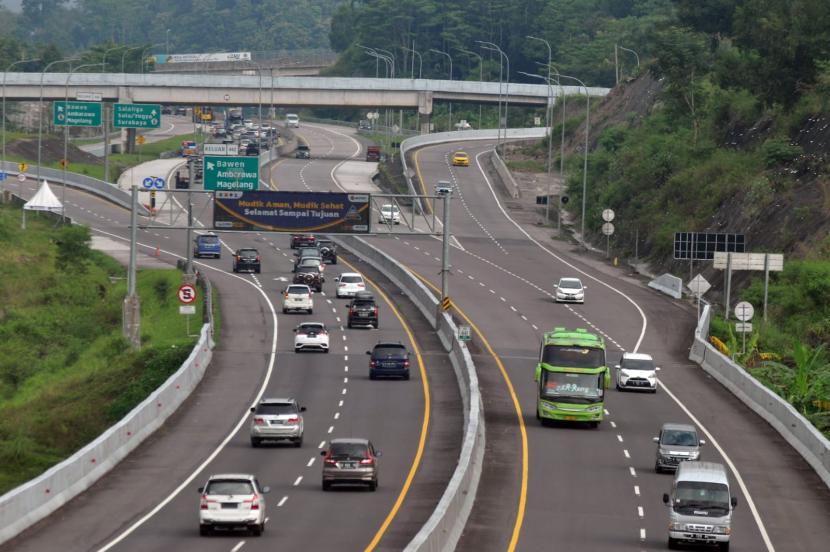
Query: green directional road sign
{"type": "Point", "coordinates": [76, 114]}
{"type": "Point", "coordinates": [231, 173]}
{"type": "Point", "coordinates": [136, 115]}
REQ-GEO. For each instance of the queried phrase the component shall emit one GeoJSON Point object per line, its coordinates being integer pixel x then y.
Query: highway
{"type": "Point", "coordinates": [572, 488]}
{"type": "Point", "coordinates": [150, 502]}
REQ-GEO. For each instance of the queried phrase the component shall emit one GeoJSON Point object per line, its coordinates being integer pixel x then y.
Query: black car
{"type": "Point", "coordinates": [328, 250]}
{"type": "Point", "coordinates": [303, 152]}
{"type": "Point", "coordinates": [389, 360]}
{"type": "Point", "coordinates": [246, 260]}
{"type": "Point", "coordinates": [181, 111]}
{"type": "Point", "coordinates": [252, 149]}
{"type": "Point", "coordinates": [310, 276]}
{"type": "Point", "coordinates": [363, 310]}
{"type": "Point", "coordinates": [302, 239]}
{"type": "Point", "coordinates": [166, 110]}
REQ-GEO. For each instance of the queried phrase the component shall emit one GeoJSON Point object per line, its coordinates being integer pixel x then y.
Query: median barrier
{"type": "Point", "coordinates": [504, 174]}
{"type": "Point", "coordinates": [809, 442]}
{"type": "Point", "coordinates": [444, 527]}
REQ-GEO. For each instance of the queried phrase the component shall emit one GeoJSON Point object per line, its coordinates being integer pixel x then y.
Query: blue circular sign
{"type": "Point", "coordinates": [158, 183]}
{"type": "Point", "coordinates": [148, 182]}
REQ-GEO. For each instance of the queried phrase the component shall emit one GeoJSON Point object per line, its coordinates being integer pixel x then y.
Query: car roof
{"type": "Point", "coordinates": [461, 153]}
{"type": "Point", "coordinates": [710, 472]}
{"type": "Point", "coordinates": [678, 427]}
{"type": "Point", "coordinates": [350, 440]}
{"type": "Point", "coordinates": [637, 356]}
{"type": "Point", "coordinates": [390, 344]}
{"type": "Point", "coordinates": [278, 401]}
{"type": "Point", "coordinates": [300, 285]}
{"type": "Point", "coordinates": [231, 476]}
{"type": "Point", "coordinates": [247, 249]}
{"type": "Point", "coordinates": [570, 279]}
{"type": "Point", "coordinates": [350, 274]}
{"type": "Point", "coordinates": [312, 324]}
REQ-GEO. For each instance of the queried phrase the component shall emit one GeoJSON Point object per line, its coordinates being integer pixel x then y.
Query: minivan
{"type": "Point", "coordinates": [292, 120]}
{"type": "Point", "coordinates": [676, 443]}
{"type": "Point", "coordinates": [207, 245]}
{"type": "Point", "coordinates": [700, 505]}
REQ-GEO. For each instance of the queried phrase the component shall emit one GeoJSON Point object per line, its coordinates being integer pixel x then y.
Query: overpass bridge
{"type": "Point", "coordinates": [265, 89]}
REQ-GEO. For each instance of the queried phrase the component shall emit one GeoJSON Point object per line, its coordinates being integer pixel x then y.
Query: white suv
{"type": "Point", "coordinates": [292, 120]}
{"type": "Point", "coordinates": [298, 297]}
{"type": "Point", "coordinates": [232, 500]}
{"type": "Point", "coordinates": [390, 214]}
{"type": "Point", "coordinates": [277, 419]}
{"type": "Point", "coordinates": [570, 290]}
{"type": "Point", "coordinates": [637, 371]}
{"type": "Point", "coordinates": [349, 283]}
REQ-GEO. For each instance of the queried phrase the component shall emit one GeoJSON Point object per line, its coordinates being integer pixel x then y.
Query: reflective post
{"type": "Point", "coordinates": [445, 256]}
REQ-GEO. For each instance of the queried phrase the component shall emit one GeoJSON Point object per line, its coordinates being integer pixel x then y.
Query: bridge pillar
{"type": "Point", "coordinates": [424, 111]}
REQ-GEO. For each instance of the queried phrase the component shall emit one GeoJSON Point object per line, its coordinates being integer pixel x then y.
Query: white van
{"type": "Point", "coordinates": [292, 120]}
{"type": "Point", "coordinates": [700, 505]}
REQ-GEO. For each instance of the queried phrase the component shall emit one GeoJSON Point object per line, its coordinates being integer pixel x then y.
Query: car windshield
{"type": "Point", "coordinates": [229, 487]}
{"type": "Point", "coordinates": [298, 290]}
{"type": "Point", "coordinates": [248, 253]}
{"type": "Point", "coordinates": [679, 438]}
{"type": "Point", "coordinates": [573, 357]}
{"type": "Point", "coordinates": [570, 284]}
{"type": "Point", "coordinates": [351, 279]}
{"type": "Point", "coordinates": [316, 328]}
{"type": "Point", "coordinates": [275, 409]}
{"type": "Point", "coordinates": [364, 304]}
{"type": "Point", "coordinates": [637, 364]}
{"type": "Point", "coordinates": [349, 450]}
{"type": "Point", "coordinates": [585, 387]}
{"type": "Point", "coordinates": [308, 270]}
{"type": "Point", "coordinates": [701, 498]}
{"type": "Point", "coordinates": [302, 147]}
{"type": "Point", "coordinates": [390, 208]}
{"type": "Point", "coordinates": [209, 240]}
{"type": "Point", "coordinates": [389, 351]}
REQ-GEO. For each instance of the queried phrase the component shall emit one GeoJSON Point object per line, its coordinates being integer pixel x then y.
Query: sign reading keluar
{"type": "Point", "coordinates": [76, 114]}
{"type": "Point", "coordinates": [327, 212]}
{"type": "Point", "coordinates": [126, 115]}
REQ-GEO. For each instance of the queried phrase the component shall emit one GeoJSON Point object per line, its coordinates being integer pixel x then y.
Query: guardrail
{"type": "Point", "coordinates": [443, 529]}
{"type": "Point", "coordinates": [110, 192]}
{"type": "Point", "coordinates": [458, 135]}
{"type": "Point", "coordinates": [793, 427]}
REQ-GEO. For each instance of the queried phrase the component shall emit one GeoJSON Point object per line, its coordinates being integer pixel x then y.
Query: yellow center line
{"type": "Point", "coordinates": [520, 514]}
{"type": "Point", "coordinates": [416, 462]}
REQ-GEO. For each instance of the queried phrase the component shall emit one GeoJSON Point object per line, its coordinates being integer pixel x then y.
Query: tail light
{"type": "Point", "coordinates": [406, 363]}
{"type": "Point", "coordinates": [328, 460]}
{"type": "Point", "coordinates": [259, 421]}
{"type": "Point", "coordinates": [293, 420]}
{"type": "Point", "coordinates": [257, 258]}
{"type": "Point", "coordinates": [254, 502]}
{"type": "Point", "coordinates": [372, 363]}
{"type": "Point", "coordinates": [203, 503]}
{"type": "Point", "coordinates": [361, 284]}
{"type": "Point", "coordinates": [376, 311]}
{"type": "Point", "coordinates": [367, 461]}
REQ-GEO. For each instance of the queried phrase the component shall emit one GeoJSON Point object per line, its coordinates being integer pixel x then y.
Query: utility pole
{"type": "Point", "coordinates": [131, 325]}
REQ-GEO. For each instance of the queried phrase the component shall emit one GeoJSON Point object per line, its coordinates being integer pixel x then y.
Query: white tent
{"type": "Point", "coordinates": [44, 200]}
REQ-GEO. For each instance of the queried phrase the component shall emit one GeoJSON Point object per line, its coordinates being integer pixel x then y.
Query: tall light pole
{"type": "Point", "coordinates": [9, 68]}
{"type": "Point", "coordinates": [480, 76]}
{"type": "Point", "coordinates": [561, 150]}
{"type": "Point", "coordinates": [391, 57]}
{"type": "Point", "coordinates": [449, 128]}
{"type": "Point", "coordinates": [258, 69]}
{"type": "Point", "coordinates": [167, 42]}
{"type": "Point", "coordinates": [66, 135]}
{"type": "Point", "coordinates": [124, 56]}
{"type": "Point", "coordinates": [107, 51]}
{"type": "Point", "coordinates": [616, 63]}
{"type": "Point", "coordinates": [549, 110]}
{"type": "Point", "coordinates": [550, 140]}
{"type": "Point", "coordinates": [420, 61]}
{"type": "Point", "coordinates": [150, 47]}
{"type": "Point", "coordinates": [40, 110]}
{"type": "Point", "coordinates": [491, 46]}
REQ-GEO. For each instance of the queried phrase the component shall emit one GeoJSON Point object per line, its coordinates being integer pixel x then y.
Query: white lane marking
{"type": "Point", "coordinates": [346, 348]}
{"type": "Point", "coordinates": [619, 438]}
{"type": "Point", "coordinates": [321, 445]}
{"type": "Point", "coordinates": [331, 428]}
{"type": "Point", "coordinates": [338, 319]}
{"type": "Point", "coordinates": [282, 501]}
{"type": "Point", "coordinates": [523, 317]}
{"type": "Point", "coordinates": [341, 403]}
{"type": "Point", "coordinates": [750, 503]}
{"type": "Point", "coordinates": [297, 481]}
{"type": "Point", "coordinates": [239, 545]}
{"type": "Point", "coordinates": [640, 511]}
{"type": "Point", "coordinates": [642, 534]}
{"type": "Point", "coordinates": [632, 471]}
{"type": "Point", "coordinates": [310, 462]}
{"type": "Point", "coordinates": [345, 358]}
{"type": "Point", "coordinates": [336, 415]}
{"type": "Point", "coordinates": [637, 490]}
{"type": "Point", "coordinates": [481, 284]}
{"type": "Point", "coordinates": [625, 452]}
{"type": "Point", "coordinates": [243, 420]}
{"type": "Point", "coordinates": [329, 302]}
{"type": "Point", "coordinates": [344, 337]}
{"type": "Point", "coordinates": [345, 368]}
{"type": "Point", "coordinates": [535, 327]}
{"type": "Point", "coordinates": [606, 411]}
{"type": "Point", "coordinates": [503, 299]}
{"type": "Point", "coordinates": [345, 380]}
{"type": "Point", "coordinates": [344, 391]}
{"type": "Point", "coordinates": [513, 308]}
{"type": "Point", "coordinates": [613, 424]}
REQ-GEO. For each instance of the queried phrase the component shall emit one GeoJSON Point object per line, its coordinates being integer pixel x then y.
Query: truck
{"type": "Point", "coordinates": [571, 377]}
{"type": "Point", "coordinates": [372, 153]}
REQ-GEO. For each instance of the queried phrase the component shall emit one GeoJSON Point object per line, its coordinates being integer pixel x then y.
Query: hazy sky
{"type": "Point", "coordinates": [14, 5]}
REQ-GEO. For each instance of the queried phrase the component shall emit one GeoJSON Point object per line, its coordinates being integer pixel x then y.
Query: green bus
{"type": "Point", "coordinates": [571, 377]}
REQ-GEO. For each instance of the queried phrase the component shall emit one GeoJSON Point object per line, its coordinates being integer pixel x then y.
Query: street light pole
{"type": "Point", "coordinates": [449, 128]}
{"type": "Point", "coordinates": [150, 47]}
{"type": "Point", "coordinates": [585, 161]}
{"type": "Point", "coordinates": [66, 136]}
{"type": "Point", "coordinates": [420, 61]}
{"type": "Point", "coordinates": [480, 76]}
{"type": "Point", "coordinates": [550, 141]}
{"type": "Point", "coordinates": [491, 46]}
{"type": "Point", "coordinates": [40, 111]}
{"type": "Point", "coordinates": [616, 64]}
{"type": "Point", "coordinates": [124, 56]}
{"type": "Point", "coordinates": [9, 68]}
{"type": "Point", "coordinates": [549, 110]}
{"type": "Point", "coordinates": [167, 42]}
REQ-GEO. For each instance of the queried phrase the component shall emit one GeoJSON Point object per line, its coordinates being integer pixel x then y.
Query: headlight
{"type": "Point", "coordinates": [694, 455]}
{"type": "Point", "coordinates": [722, 530]}
{"type": "Point", "coordinates": [596, 408]}
{"type": "Point", "coordinates": [676, 527]}
{"type": "Point", "coordinates": [548, 406]}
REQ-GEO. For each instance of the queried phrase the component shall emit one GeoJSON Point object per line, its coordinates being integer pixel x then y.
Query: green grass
{"type": "Point", "coordinates": [66, 373]}
{"type": "Point", "coordinates": [527, 165]}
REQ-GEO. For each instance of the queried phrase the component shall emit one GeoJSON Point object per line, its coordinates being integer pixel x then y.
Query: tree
{"type": "Point", "coordinates": [73, 250]}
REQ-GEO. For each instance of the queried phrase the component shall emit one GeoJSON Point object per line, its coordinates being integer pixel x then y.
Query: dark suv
{"type": "Point", "coordinates": [310, 276]}
{"type": "Point", "coordinates": [246, 260]}
{"type": "Point", "coordinates": [363, 311]}
{"type": "Point", "coordinates": [328, 250]}
{"type": "Point", "coordinates": [307, 239]}
{"type": "Point", "coordinates": [389, 360]}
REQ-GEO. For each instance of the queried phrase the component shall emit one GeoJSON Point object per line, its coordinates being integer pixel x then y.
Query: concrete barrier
{"type": "Point", "coordinates": [443, 528]}
{"type": "Point", "coordinates": [793, 427]}
{"type": "Point", "coordinates": [668, 284]}
{"type": "Point", "coordinates": [505, 174]}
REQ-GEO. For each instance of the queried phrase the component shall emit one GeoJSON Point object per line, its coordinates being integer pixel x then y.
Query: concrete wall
{"type": "Point", "coordinates": [443, 529]}
{"type": "Point", "coordinates": [505, 175]}
{"type": "Point", "coordinates": [797, 430]}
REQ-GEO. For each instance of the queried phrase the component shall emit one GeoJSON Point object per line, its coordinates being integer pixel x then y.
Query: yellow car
{"type": "Point", "coordinates": [460, 159]}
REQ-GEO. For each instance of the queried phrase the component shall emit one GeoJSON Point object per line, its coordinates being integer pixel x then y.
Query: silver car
{"type": "Point", "coordinates": [569, 290]}
{"type": "Point", "coordinates": [277, 419]}
{"type": "Point", "coordinates": [352, 461]}
{"type": "Point", "coordinates": [676, 443]}
{"type": "Point", "coordinates": [231, 501]}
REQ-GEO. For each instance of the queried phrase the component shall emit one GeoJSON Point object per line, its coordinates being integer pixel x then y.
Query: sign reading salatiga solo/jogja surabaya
{"type": "Point", "coordinates": [76, 114]}
{"type": "Point", "coordinates": [126, 115]}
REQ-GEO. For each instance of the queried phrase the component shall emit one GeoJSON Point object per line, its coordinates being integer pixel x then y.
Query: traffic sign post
{"type": "Point", "coordinates": [464, 333]}
{"type": "Point", "coordinates": [3, 175]}
{"type": "Point", "coordinates": [126, 115]}
{"type": "Point", "coordinates": [446, 304]}
{"type": "Point", "coordinates": [76, 114]}
{"type": "Point", "coordinates": [222, 173]}
{"type": "Point", "coordinates": [187, 296]}
{"type": "Point", "coordinates": [744, 312]}
{"type": "Point", "coordinates": [698, 286]}
{"type": "Point", "coordinates": [148, 182]}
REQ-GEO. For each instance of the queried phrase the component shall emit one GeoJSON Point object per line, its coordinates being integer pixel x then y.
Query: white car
{"type": "Point", "coordinates": [443, 188]}
{"type": "Point", "coordinates": [390, 214]}
{"type": "Point", "coordinates": [349, 283]}
{"type": "Point", "coordinates": [292, 120]}
{"type": "Point", "coordinates": [230, 501]}
{"type": "Point", "coordinates": [298, 297]}
{"type": "Point", "coordinates": [637, 371]}
{"type": "Point", "coordinates": [311, 336]}
{"type": "Point", "coordinates": [570, 290]}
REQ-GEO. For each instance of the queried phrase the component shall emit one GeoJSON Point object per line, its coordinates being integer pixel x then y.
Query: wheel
{"type": "Point", "coordinates": [593, 425]}
{"type": "Point", "coordinates": [377, 323]}
{"type": "Point", "coordinates": [537, 415]}
{"type": "Point", "coordinates": [372, 375]}
{"type": "Point", "coordinates": [204, 530]}
{"type": "Point", "coordinates": [298, 442]}
{"type": "Point", "coordinates": [234, 269]}
{"type": "Point", "coordinates": [255, 441]}
{"type": "Point", "coordinates": [258, 270]}
{"type": "Point", "coordinates": [618, 387]}
{"type": "Point", "coordinates": [349, 325]}
{"type": "Point", "coordinates": [297, 349]}
{"type": "Point", "coordinates": [310, 311]}
{"type": "Point", "coordinates": [723, 546]}
{"type": "Point", "coordinates": [325, 350]}
{"type": "Point", "coordinates": [406, 376]}
{"type": "Point", "coordinates": [657, 468]}
{"type": "Point", "coordinates": [334, 261]}
{"type": "Point", "coordinates": [256, 530]}
{"type": "Point", "coordinates": [373, 486]}
{"type": "Point", "coordinates": [672, 544]}
{"type": "Point", "coordinates": [285, 311]}
{"type": "Point", "coordinates": [326, 485]}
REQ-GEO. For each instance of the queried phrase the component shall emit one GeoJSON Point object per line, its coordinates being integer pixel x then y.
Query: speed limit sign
{"type": "Point", "coordinates": [186, 294]}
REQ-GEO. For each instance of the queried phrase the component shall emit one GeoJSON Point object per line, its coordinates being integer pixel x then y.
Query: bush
{"type": "Point", "coordinates": [779, 151]}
